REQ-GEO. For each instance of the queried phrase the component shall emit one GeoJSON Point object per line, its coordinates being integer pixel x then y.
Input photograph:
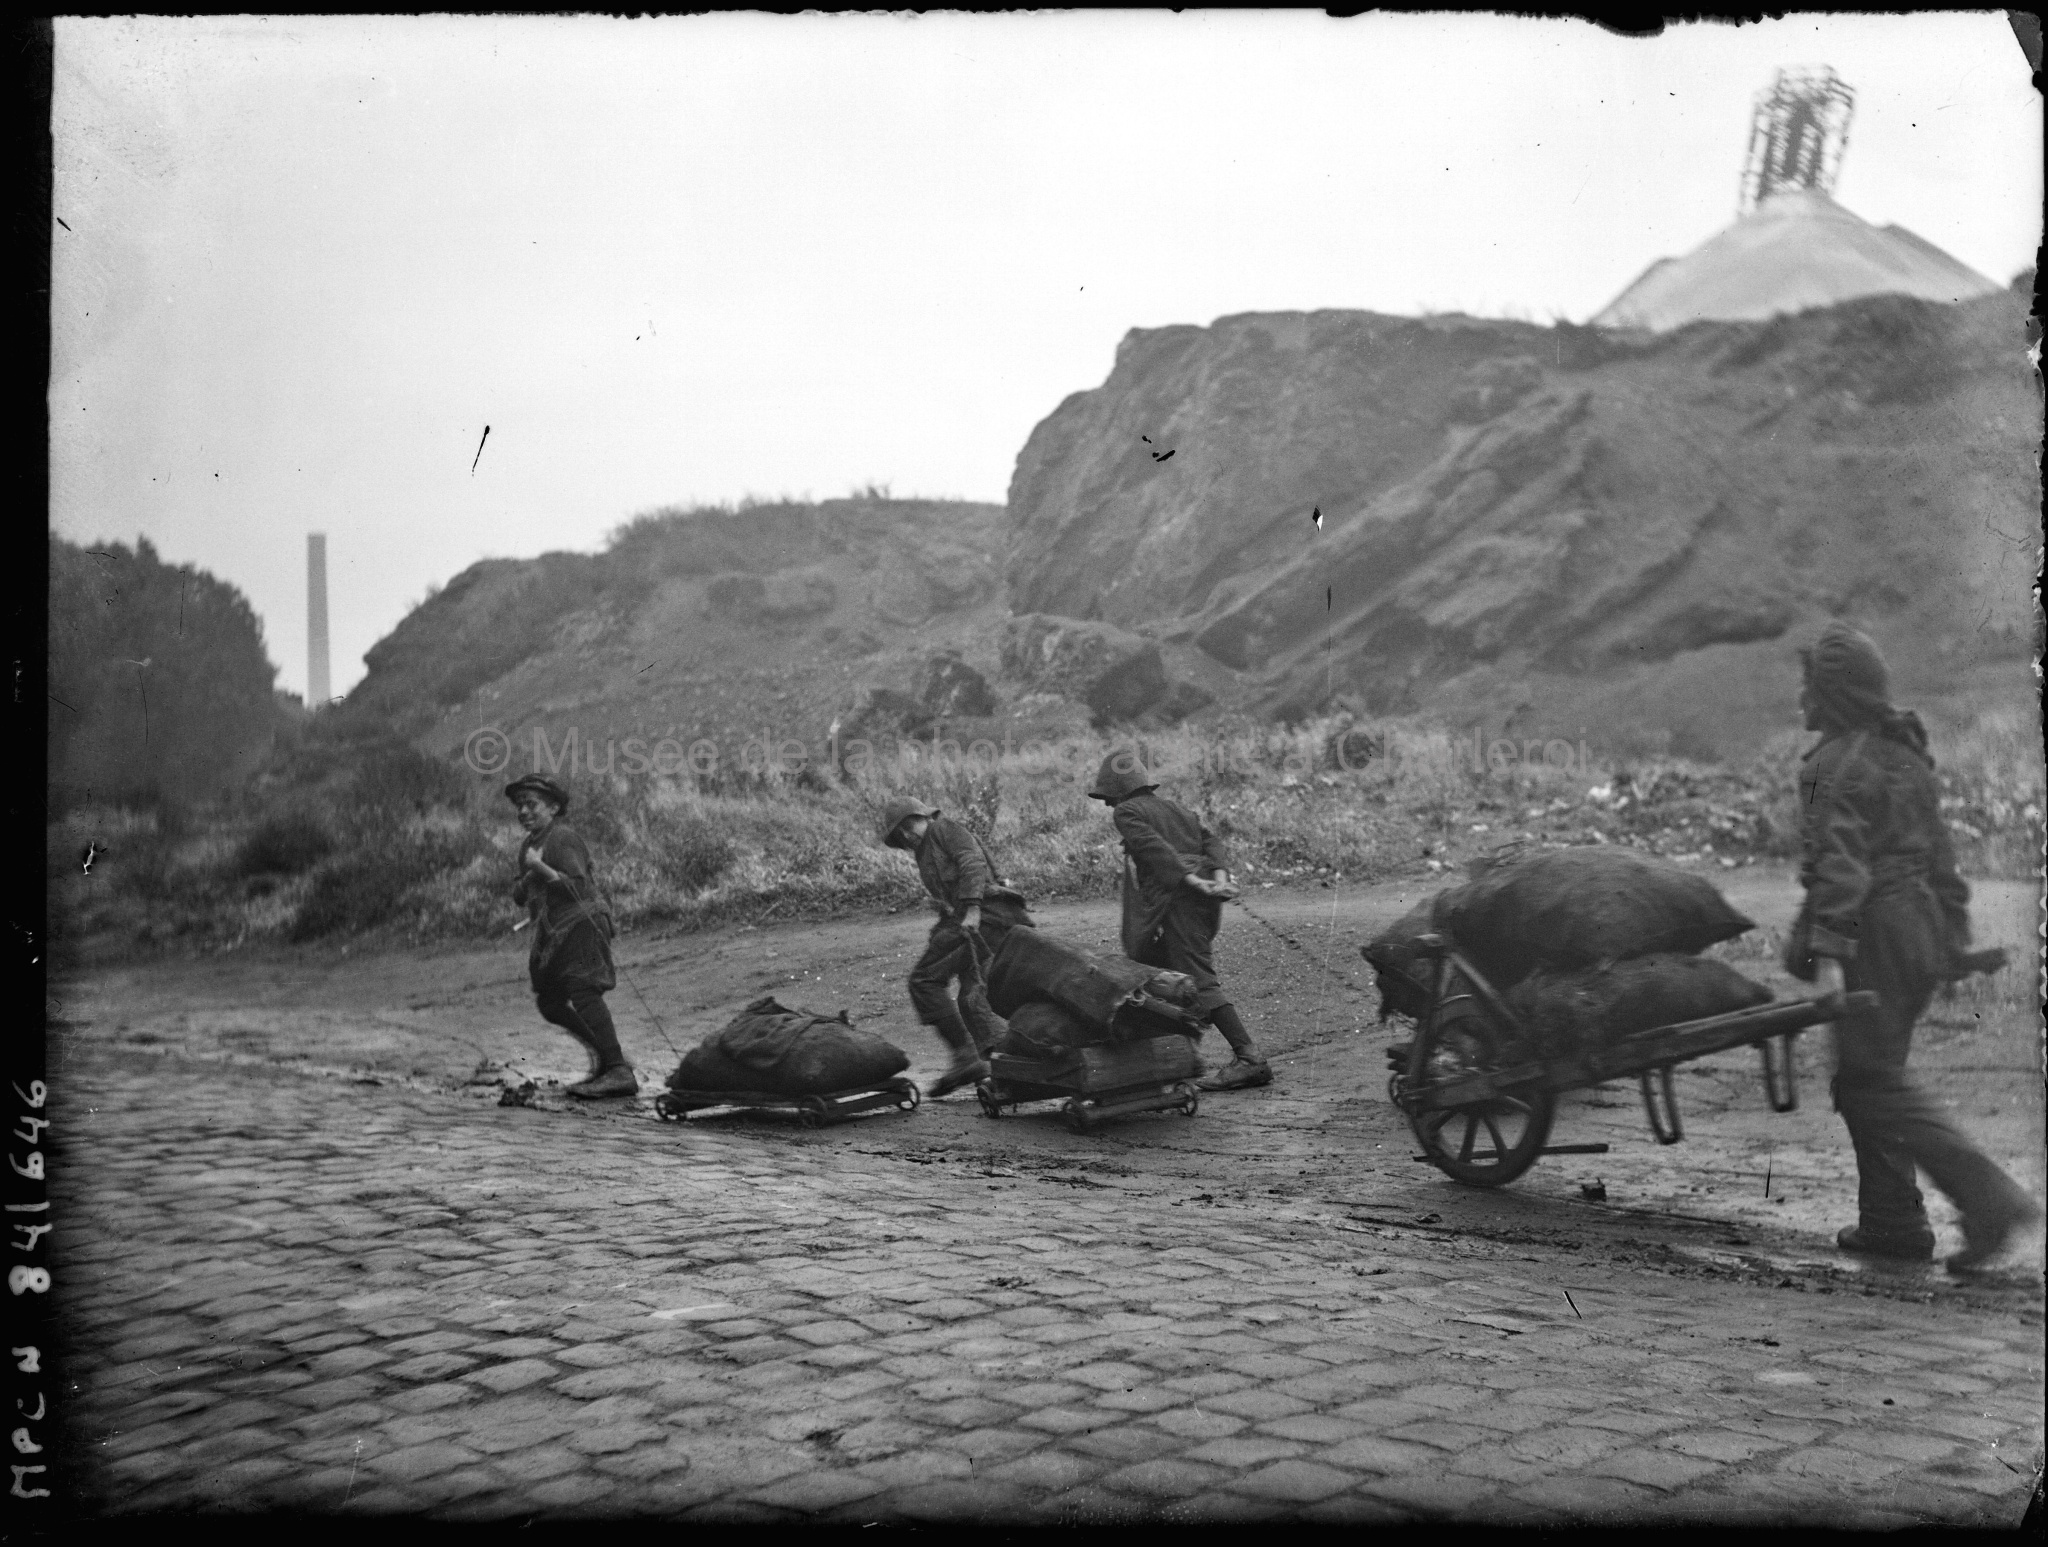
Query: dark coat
{"type": "Point", "coordinates": [1164, 843]}
{"type": "Point", "coordinates": [1872, 837]}
{"type": "Point", "coordinates": [572, 924]}
{"type": "Point", "coordinates": [956, 868]}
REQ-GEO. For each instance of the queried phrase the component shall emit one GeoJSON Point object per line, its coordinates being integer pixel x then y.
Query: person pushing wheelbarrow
{"type": "Point", "coordinates": [1885, 910]}
{"type": "Point", "coordinates": [1176, 880]}
{"type": "Point", "coordinates": [973, 904]}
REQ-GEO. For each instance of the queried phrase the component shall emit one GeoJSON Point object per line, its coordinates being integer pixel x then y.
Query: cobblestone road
{"type": "Point", "coordinates": [287, 1292]}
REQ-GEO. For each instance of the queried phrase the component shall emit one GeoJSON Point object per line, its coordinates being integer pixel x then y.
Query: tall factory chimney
{"type": "Point", "coordinates": [316, 620]}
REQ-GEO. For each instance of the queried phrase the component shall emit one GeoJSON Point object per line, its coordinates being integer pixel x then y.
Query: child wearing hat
{"type": "Point", "coordinates": [570, 963]}
{"type": "Point", "coordinates": [973, 904]}
{"type": "Point", "coordinates": [1885, 910]}
{"type": "Point", "coordinates": [1176, 880]}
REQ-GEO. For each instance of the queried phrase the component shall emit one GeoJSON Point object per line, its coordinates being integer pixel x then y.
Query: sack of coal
{"type": "Point", "coordinates": [1576, 907]}
{"type": "Point", "coordinates": [1033, 966]}
{"type": "Point", "coordinates": [1588, 1007]}
{"type": "Point", "coordinates": [1401, 970]}
{"type": "Point", "coordinates": [1044, 1031]}
{"type": "Point", "coordinates": [833, 1056]}
{"type": "Point", "coordinates": [771, 1048]}
{"type": "Point", "coordinates": [704, 1067]}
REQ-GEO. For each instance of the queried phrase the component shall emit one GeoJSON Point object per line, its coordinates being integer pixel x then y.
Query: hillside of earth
{"type": "Point", "coordinates": [1595, 552]}
{"type": "Point", "coordinates": [1545, 531]}
{"type": "Point", "coordinates": [1557, 531]}
{"type": "Point", "coordinates": [722, 625]}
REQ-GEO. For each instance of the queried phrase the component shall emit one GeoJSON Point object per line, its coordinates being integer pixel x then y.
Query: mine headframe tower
{"type": "Point", "coordinates": [1797, 134]}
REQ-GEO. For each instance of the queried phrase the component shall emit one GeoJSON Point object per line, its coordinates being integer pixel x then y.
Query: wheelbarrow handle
{"type": "Point", "coordinates": [1781, 1072]}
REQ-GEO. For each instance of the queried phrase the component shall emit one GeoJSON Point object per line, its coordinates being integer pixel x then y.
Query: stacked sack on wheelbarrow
{"type": "Point", "coordinates": [770, 1057]}
{"type": "Point", "coordinates": [1102, 1033]}
{"type": "Point", "coordinates": [1587, 945]}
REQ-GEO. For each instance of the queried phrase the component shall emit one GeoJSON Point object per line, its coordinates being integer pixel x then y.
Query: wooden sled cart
{"type": "Point", "coordinates": [1112, 1079]}
{"type": "Point", "coordinates": [815, 1111]}
{"type": "Point", "coordinates": [1479, 1094]}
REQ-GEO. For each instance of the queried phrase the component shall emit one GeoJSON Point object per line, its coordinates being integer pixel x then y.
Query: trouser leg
{"type": "Point", "coordinates": [584, 1015]}
{"type": "Point", "coordinates": [1920, 1130]}
{"type": "Point", "coordinates": [1894, 1125]}
{"type": "Point", "coordinates": [555, 1012]}
{"type": "Point", "coordinates": [1887, 1201]}
{"type": "Point", "coordinates": [1186, 944]}
{"type": "Point", "coordinates": [931, 978]}
{"type": "Point", "coordinates": [554, 1009]}
{"type": "Point", "coordinates": [1225, 1019]}
{"type": "Point", "coordinates": [966, 1021]}
{"type": "Point", "coordinates": [947, 957]}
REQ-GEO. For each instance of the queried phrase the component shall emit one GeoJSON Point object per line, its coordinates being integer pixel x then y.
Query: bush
{"type": "Point", "coordinates": [358, 892]}
{"type": "Point", "coordinates": [368, 887]}
{"type": "Point", "coordinates": [420, 849]}
{"type": "Point", "coordinates": [143, 863]}
{"type": "Point", "coordinates": [600, 815]}
{"type": "Point", "coordinates": [394, 782]}
{"type": "Point", "coordinates": [284, 845]}
{"type": "Point", "coordinates": [692, 853]}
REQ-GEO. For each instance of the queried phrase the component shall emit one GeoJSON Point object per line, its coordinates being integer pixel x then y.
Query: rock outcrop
{"type": "Point", "coordinates": [1119, 675]}
{"type": "Point", "coordinates": [951, 689]}
{"type": "Point", "coordinates": [1512, 514]}
{"type": "Point", "coordinates": [1558, 530]}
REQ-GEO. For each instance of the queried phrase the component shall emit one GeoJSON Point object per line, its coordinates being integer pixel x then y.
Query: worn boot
{"type": "Point", "coordinates": [967, 1067]}
{"type": "Point", "coordinates": [1986, 1234]}
{"type": "Point", "coordinates": [1242, 1072]}
{"type": "Point", "coordinates": [618, 1080]}
{"type": "Point", "coordinates": [1246, 1067]}
{"type": "Point", "coordinates": [1910, 1246]}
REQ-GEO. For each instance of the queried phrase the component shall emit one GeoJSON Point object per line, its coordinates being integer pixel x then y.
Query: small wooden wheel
{"type": "Point", "coordinates": [1191, 1100]}
{"type": "Point", "coordinates": [912, 1096]}
{"type": "Point", "coordinates": [811, 1112]}
{"type": "Point", "coordinates": [1077, 1115]}
{"type": "Point", "coordinates": [990, 1107]}
{"type": "Point", "coordinates": [1516, 1123]}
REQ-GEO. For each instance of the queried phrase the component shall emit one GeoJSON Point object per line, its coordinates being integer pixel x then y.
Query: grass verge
{"type": "Point", "coordinates": [346, 838]}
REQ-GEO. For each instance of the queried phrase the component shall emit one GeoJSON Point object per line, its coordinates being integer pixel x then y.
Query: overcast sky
{"type": "Point", "coordinates": [309, 259]}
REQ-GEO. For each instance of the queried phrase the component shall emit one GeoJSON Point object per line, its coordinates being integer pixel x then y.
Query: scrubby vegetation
{"type": "Point", "coordinates": [159, 687]}
{"type": "Point", "coordinates": [345, 835]}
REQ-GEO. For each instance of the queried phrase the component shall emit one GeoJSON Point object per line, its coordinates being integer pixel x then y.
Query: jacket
{"type": "Point", "coordinates": [572, 923]}
{"type": "Point", "coordinates": [956, 868]}
{"type": "Point", "coordinates": [1163, 844]}
{"type": "Point", "coordinates": [1872, 833]}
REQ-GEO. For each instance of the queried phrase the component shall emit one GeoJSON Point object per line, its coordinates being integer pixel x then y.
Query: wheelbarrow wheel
{"type": "Point", "coordinates": [1487, 1142]}
{"type": "Point", "coordinates": [811, 1112]}
{"type": "Point", "coordinates": [668, 1109]}
{"type": "Point", "coordinates": [990, 1107]}
{"type": "Point", "coordinates": [910, 1095]}
{"type": "Point", "coordinates": [1077, 1115]}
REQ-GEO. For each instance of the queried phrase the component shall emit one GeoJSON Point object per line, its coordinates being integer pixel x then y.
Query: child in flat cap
{"type": "Point", "coordinates": [570, 964]}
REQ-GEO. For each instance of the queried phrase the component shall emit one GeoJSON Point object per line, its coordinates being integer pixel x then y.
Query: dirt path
{"type": "Point", "coordinates": [1323, 1137]}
